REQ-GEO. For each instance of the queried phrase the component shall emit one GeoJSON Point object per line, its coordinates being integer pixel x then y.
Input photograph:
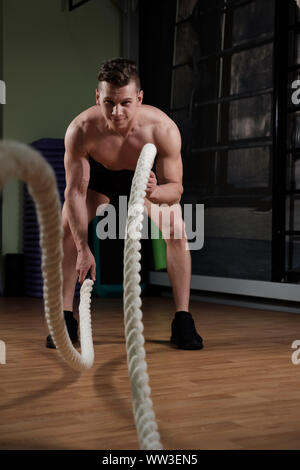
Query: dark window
{"type": "Point", "coordinates": [223, 102]}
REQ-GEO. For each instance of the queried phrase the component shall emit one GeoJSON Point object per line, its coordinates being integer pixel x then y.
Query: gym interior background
{"type": "Point", "coordinates": [223, 70]}
{"type": "Point", "coordinates": [214, 70]}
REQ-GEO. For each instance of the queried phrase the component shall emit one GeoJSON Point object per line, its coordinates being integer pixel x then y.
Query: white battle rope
{"type": "Point", "coordinates": [142, 404]}
{"type": "Point", "coordinates": [24, 163]}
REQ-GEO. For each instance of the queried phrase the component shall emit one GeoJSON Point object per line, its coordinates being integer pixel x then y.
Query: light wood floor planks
{"type": "Point", "coordinates": [240, 392]}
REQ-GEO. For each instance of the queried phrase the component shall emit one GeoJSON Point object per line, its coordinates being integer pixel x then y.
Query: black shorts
{"type": "Point", "coordinates": [112, 183]}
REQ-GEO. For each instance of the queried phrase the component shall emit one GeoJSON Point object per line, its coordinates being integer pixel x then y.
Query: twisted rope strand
{"type": "Point", "coordinates": [22, 162]}
{"type": "Point", "coordinates": [144, 416]}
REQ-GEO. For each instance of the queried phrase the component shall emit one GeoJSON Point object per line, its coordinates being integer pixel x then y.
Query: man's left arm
{"type": "Point", "coordinates": [168, 168]}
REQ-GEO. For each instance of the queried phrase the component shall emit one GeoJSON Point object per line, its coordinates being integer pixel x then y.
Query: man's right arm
{"type": "Point", "coordinates": [77, 170]}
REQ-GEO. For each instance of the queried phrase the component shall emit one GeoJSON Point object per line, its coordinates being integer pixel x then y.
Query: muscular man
{"type": "Point", "coordinates": [102, 146]}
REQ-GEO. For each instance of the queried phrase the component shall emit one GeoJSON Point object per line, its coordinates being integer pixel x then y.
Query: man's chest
{"type": "Point", "coordinates": [117, 153]}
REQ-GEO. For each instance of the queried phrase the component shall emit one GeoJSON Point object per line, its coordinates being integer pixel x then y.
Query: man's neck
{"type": "Point", "coordinates": [126, 131]}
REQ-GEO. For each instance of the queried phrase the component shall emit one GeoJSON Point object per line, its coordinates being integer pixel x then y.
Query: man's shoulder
{"type": "Point", "coordinates": [80, 130]}
{"type": "Point", "coordinates": [161, 123]}
{"type": "Point", "coordinates": [84, 121]}
{"type": "Point", "coordinates": [155, 114]}
{"type": "Point", "coordinates": [164, 131]}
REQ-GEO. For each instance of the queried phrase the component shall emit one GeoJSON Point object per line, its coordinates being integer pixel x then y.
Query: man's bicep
{"type": "Point", "coordinates": [169, 169]}
{"type": "Point", "coordinates": [77, 165]}
{"type": "Point", "coordinates": [169, 162]}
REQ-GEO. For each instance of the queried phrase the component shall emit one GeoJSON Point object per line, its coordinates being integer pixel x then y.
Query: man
{"type": "Point", "coordinates": [102, 147]}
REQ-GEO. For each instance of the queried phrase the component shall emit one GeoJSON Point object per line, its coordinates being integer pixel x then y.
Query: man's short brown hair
{"type": "Point", "coordinates": [119, 72]}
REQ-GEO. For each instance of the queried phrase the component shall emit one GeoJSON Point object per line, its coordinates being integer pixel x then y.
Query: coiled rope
{"type": "Point", "coordinates": [142, 404]}
{"type": "Point", "coordinates": [22, 162]}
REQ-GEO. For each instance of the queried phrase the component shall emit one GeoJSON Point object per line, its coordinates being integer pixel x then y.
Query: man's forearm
{"type": "Point", "coordinates": [78, 219]}
{"type": "Point", "coordinates": [169, 193]}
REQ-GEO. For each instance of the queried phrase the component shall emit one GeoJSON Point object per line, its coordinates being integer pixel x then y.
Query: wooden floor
{"type": "Point", "coordinates": [240, 392]}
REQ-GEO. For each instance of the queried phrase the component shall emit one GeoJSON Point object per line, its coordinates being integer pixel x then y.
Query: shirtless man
{"type": "Point", "coordinates": [102, 146]}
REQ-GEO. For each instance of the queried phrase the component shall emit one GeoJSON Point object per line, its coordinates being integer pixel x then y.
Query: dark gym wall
{"type": "Point", "coordinates": [64, 61]}
{"type": "Point", "coordinates": [1, 132]}
{"type": "Point", "coordinates": [157, 27]}
{"type": "Point", "coordinates": [1, 62]}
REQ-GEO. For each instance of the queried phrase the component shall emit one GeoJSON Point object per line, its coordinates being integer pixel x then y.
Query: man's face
{"type": "Point", "coordinates": [119, 105]}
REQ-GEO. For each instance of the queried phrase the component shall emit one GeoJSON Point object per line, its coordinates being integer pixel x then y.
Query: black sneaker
{"type": "Point", "coordinates": [72, 327]}
{"type": "Point", "coordinates": [184, 334]}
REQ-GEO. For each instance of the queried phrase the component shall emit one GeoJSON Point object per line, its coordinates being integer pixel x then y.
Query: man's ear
{"type": "Point", "coordinates": [140, 96]}
{"type": "Point", "coordinates": [97, 96]}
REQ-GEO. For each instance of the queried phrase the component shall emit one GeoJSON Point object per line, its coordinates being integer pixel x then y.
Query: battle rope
{"type": "Point", "coordinates": [22, 162]}
{"type": "Point", "coordinates": [142, 405]}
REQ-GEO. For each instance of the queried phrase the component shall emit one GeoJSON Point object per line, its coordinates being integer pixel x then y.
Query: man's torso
{"type": "Point", "coordinates": [114, 151]}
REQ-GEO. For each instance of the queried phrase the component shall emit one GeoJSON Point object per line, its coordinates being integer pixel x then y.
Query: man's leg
{"type": "Point", "coordinates": [70, 276]}
{"type": "Point", "coordinates": [179, 271]}
{"type": "Point", "coordinates": [69, 281]}
{"type": "Point", "coordinates": [170, 222]}
{"type": "Point", "coordinates": [68, 265]}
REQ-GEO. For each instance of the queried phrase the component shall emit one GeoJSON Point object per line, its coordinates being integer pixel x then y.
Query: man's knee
{"type": "Point", "coordinates": [175, 232]}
